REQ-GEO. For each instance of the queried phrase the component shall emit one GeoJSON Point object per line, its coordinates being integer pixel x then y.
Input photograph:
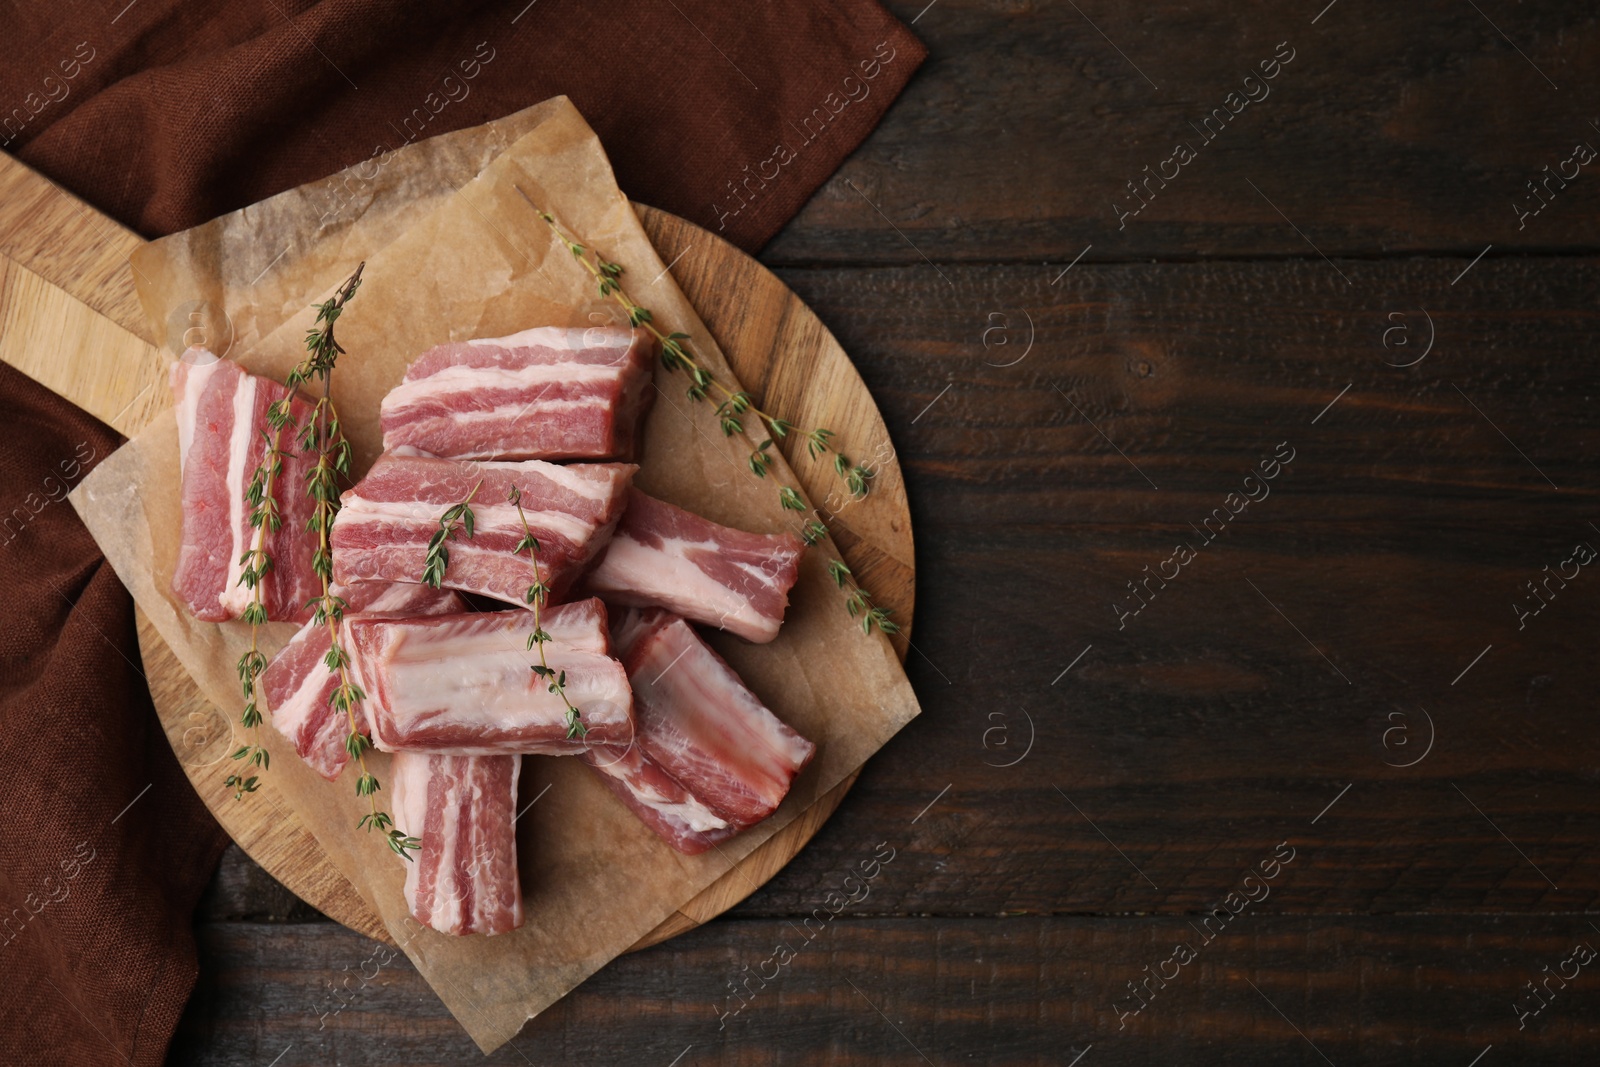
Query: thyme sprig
{"type": "Point", "coordinates": [537, 593]}
{"type": "Point", "coordinates": [256, 563]}
{"type": "Point", "coordinates": [735, 404]}
{"type": "Point", "coordinates": [265, 519]}
{"type": "Point", "coordinates": [456, 518]}
{"type": "Point", "coordinates": [676, 355]}
{"type": "Point", "coordinates": [323, 435]}
{"type": "Point", "coordinates": [858, 602]}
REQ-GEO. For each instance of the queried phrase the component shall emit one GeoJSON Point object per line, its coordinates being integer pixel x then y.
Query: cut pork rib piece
{"type": "Point", "coordinates": [547, 393]}
{"type": "Point", "coordinates": [222, 422]}
{"type": "Point", "coordinates": [465, 683]}
{"type": "Point", "coordinates": [299, 686]}
{"type": "Point", "coordinates": [463, 879]}
{"type": "Point", "coordinates": [382, 531]}
{"type": "Point", "coordinates": [663, 556]}
{"type": "Point", "coordinates": [708, 758]}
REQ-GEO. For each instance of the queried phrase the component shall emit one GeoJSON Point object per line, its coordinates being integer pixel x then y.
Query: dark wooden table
{"type": "Point", "coordinates": [1348, 670]}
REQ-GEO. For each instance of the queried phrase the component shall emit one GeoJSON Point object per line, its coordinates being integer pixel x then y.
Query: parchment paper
{"type": "Point", "coordinates": [237, 278]}
{"type": "Point", "coordinates": [479, 263]}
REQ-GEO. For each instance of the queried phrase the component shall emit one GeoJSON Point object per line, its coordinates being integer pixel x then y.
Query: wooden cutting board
{"type": "Point", "coordinates": [70, 319]}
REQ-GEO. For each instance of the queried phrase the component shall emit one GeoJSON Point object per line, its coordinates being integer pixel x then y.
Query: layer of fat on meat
{"type": "Point", "coordinates": [197, 365]}
{"type": "Point", "coordinates": [669, 573]}
{"type": "Point", "coordinates": [235, 597]}
{"type": "Point", "coordinates": [560, 338]}
{"type": "Point", "coordinates": [462, 378]}
{"type": "Point", "coordinates": [486, 516]}
{"type": "Point", "coordinates": [691, 813]}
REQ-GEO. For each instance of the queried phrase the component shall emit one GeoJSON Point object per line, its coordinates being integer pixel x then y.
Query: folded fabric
{"type": "Point", "coordinates": [107, 846]}
{"type": "Point", "coordinates": [169, 115]}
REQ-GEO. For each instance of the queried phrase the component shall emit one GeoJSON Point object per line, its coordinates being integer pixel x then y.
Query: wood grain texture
{"type": "Point", "coordinates": [49, 335]}
{"type": "Point", "coordinates": [1396, 129]}
{"type": "Point", "coordinates": [64, 240]}
{"type": "Point", "coordinates": [1375, 990]}
{"type": "Point", "coordinates": [1210, 728]}
{"type": "Point", "coordinates": [53, 332]}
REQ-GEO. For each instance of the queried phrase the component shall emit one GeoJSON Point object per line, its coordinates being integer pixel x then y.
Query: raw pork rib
{"type": "Point", "coordinates": [465, 684]}
{"type": "Point", "coordinates": [463, 879]}
{"type": "Point", "coordinates": [547, 393]}
{"type": "Point", "coordinates": [298, 684]}
{"type": "Point", "coordinates": [222, 415]}
{"type": "Point", "coordinates": [708, 759]}
{"type": "Point", "coordinates": [663, 556]}
{"type": "Point", "coordinates": [382, 532]}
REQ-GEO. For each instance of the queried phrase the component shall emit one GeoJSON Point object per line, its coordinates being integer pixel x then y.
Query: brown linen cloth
{"type": "Point", "coordinates": [165, 116]}
{"type": "Point", "coordinates": [106, 846]}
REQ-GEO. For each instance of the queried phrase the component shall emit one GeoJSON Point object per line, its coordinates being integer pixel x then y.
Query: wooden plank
{"type": "Point", "coordinates": [1395, 129]}
{"type": "Point", "coordinates": [1267, 989]}
{"type": "Point", "coordinates": [1209, 728]}
{"type": "Point", "coordinates": [75, 247]}
{"type": "Point", "coordinates": [243, 891]}
{"type": "Point", "coordinates": [55, 339]}
{"type": "Point", "coordinates": [1191, 369]}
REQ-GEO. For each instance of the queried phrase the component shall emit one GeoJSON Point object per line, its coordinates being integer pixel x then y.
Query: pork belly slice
{"type": "Point", "coordinates": [465, 683]}
{"type": "Point", "coordinates": [222, 420]}
{"type": "Point", "coordinates": [382, 531]}
{"type": "Point", "coordinates": [665, 557]}
{"type": "Point", "coordinates": [708, 759]}
{"type": "Point", "coordinates": [463, 879]}
{"type": "Point", "coordinates": [546, 393]}
{"type": "Point", "coordinates": [299, 686]}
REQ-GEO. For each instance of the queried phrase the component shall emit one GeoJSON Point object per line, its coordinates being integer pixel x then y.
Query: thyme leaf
{"type": "Point", "coordinates": [538, 593]}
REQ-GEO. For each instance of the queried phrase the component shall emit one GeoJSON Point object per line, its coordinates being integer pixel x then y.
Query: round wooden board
{"type": "Point", "coordinates": [789, 361]}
